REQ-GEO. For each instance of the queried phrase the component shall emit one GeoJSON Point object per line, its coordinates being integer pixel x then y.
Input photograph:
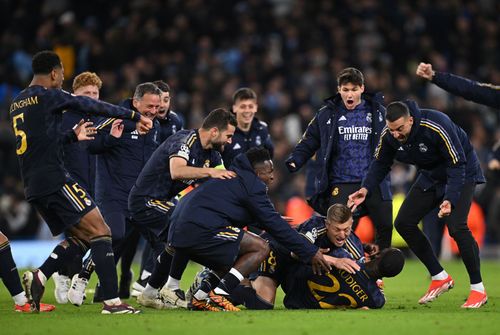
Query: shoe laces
{"type": "Point", "coordinates": [80, 284]}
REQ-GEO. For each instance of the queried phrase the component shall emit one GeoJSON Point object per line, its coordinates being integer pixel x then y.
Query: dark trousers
{"type": "Point", "coordinates": [416, 205]}
{"type": "Point", "coordinates": [379, 210]}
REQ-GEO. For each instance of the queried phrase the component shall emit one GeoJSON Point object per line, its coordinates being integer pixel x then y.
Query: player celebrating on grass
{"type": "Point", "coordinates": [207, 227]}
{"type": "Point", "coordinates": [448, 173]}
{"type": "Point", "coordinates": [64, 205]}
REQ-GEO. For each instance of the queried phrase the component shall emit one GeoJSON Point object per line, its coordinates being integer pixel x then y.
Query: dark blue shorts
{"type": "Point", "coordinates": [64, 208]}
{"type": "Point", "coordinates": [217, 249]}
{"type": "Point", "coordinates": [276, 264]}
{"type": "Point", "coordinates": [152, 221]}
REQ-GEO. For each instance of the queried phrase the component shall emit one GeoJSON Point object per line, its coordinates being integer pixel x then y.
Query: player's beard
{"type": "Point", "coordinates": [218, 146]}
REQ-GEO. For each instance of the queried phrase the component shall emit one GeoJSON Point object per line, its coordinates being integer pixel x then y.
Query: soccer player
{"type": "Point", "coordinates": [448, 173]}
{"type": "Point", "coordinates": [344, 134]}
{"type": "Point", "coordinates": [183, 159]}
{"type": "Point", "coordinates": [10, 277]}
{"type": "Point", "coordinates": [121, 155]}
{"type": "Point", "coordinates": [353, 287]}
{"type": "Point", "coordinates": [62, 202]}
{"type": "Point", "coordinates": [170, 123]}
{"type": "Point", "coordinates": [81, 166]}
{"type": "Point", "coordinates": [250, 132]}
{"type": "Point", "coordinates": [207, 227]}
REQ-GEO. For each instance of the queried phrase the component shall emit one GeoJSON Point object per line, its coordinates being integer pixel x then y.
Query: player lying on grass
{"type": "Point", "coordinates": [338, 288]}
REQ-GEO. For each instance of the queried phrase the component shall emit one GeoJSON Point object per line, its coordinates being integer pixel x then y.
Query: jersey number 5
{"type": "Point", "coordinates": [16, 121]}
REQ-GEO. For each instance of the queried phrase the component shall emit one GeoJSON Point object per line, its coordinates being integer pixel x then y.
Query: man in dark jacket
{"type": "Point", "coordinates": [448, 171]}
{"type": "Point", "coordinates": [207, 225]}
{"type": "Point", "coordinates": [344, 135]}
{"type": "Point", "coordinates": [250, 132]}
{"type": "Point", "coordinates": [121, 156]}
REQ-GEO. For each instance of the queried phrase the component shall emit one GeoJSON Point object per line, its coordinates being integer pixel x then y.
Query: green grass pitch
{"type": "Point", "coordinates": [401, 314]}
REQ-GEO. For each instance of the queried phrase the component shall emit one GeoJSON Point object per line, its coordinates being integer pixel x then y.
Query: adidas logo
{"type": "Point", "coordinates": [237, 146]}
{"type": "Point", "coordinates": [342, 118]}
{"type": "Point", "coordinates": [401, 149]}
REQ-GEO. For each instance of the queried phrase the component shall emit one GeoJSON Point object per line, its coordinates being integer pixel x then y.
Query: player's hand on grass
{"type": "Point", "coordinates": [444, 209]}
{"type": "Point", "coordinates": [117, 128]}
{"type": "Point", "coordinates": [424, 70]}
{"type": "Point", "coordinates": [84, 130]}
{"type": "Point", "coordinates": [346, 264]}
{"type": "Point", "coordinates": [319, 263]}
{"type": "Point", "coordinates": [143, 125]}
{"type": "Point", "coordinates": [222, 174]}
{"type": "Point", "coordinates": [357, 198]}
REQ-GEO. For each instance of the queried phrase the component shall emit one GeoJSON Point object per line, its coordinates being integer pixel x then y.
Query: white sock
{"type": "Point", "coordinates": [42, 277]}
{"type": "Point", "coordinates": [150, 292]}
{"type": "Point", "coordinates": [173, 283]}
{"type": "Point", "coordinates": [200, 295]}
{"type": "Point", "coordinates": [477, 287]}
{"type": "Point", "coordinates": [145, 274]}
{"type": "Point", "coordinates": [20, 299]}
{"type": "Point", "coordinates": [220, 291]}
{"type": "Point", "coordinates": [113, 302]}
{"type": "Point", "coordinates": [237, 274]}
{"type": "Point", "coordinates": [440, 276]}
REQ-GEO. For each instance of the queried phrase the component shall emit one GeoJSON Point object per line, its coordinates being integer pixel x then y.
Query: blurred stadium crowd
{"type": "Point", "coordinates": [288, 51]}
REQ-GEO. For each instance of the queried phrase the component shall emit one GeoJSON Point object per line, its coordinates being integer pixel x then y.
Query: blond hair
{"type": "Point", "coordinates": [85, 79]}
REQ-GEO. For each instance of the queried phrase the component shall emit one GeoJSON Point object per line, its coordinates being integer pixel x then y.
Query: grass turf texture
{"type": "Point", "coordinates": [401, 314]}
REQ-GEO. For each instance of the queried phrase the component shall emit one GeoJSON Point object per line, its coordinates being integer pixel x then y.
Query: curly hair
{"type": "Point", "coordinates": [85, 79]}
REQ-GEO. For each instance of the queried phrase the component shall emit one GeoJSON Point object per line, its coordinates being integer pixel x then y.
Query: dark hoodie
{"type": "Point", "coordinates": [239, 202]}
{"type": "Point", "coordinates": [440, 149]}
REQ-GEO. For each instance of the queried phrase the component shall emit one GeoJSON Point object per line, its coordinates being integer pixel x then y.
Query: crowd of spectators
{"type": "Point", "coordinates": [288, 51]}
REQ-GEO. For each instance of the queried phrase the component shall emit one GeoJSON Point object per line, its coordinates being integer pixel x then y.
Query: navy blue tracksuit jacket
{"type": "Point", "coordinates": [482, 93]}
{"type": "Point", "coordinates": [258, 135]}
{"type": "Point", "coordinates": [320, 136]}
{"type": "Point", "coordinates": [79, 162]}
{"type": "Point", "coordinates": [439, 148]}
{"type": "Point", "coordinates": [120, 161]}
{"type": "Point", "coordinates": [238, 202]}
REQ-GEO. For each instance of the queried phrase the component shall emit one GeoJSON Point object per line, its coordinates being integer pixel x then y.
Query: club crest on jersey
{"type": "Point", "coordinates": [207, 163]}
{"type": "Point", "coordinates": [87, 201]}
{"type": "Point", "coordinates": [258, 140]}
{"type": "Point", "coordinates": [368, 117]}
{"type": "Point", "coordinates": [422, 147]}
{"type": "Point", "coordinates": [335, 191]}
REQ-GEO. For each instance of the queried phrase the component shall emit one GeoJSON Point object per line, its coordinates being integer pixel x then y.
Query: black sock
{"type": "Point", "coordinates": [87, 268]}
{"type": "Point", "coordinates": [8, 270]}
{"type": "Point", "coordinates": [74, 265]}
{"type": "Point", "coordinates": [147, 260]}
{"type": "Point", "coordinates": [246, 295]}
{"type": "Point", "coordinates": [64, 252]}
{"type": "Point", "coordinates": [208, 283]}
{"type": "Point", "coordinates": [228, 283]}
{"type": "Point", "coordinates": [179, 264]}
{"type": "Point", "coordinates": [105, 267]}
{"type": "Point", "coordinates": [161, 271]}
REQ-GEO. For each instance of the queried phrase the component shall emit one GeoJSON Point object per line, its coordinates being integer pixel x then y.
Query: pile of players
{"type": "Point", "coordinates": [135, 160]}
